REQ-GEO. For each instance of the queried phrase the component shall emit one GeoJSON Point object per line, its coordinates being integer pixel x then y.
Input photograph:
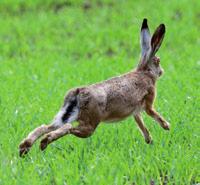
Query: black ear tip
{"type": "Point", "coordinates": [144, 24]}
{"type": "Point", "coordinates": [162, 28]}
{"type": "Point", "coordinates": [145, 20]}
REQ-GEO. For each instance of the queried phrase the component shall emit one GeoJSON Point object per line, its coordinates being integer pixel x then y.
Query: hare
{"type": "Point", "coordinates": [109, 101]}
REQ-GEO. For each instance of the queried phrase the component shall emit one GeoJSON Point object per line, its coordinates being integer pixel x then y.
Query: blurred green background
{"type": "Point", "coordinates": [49, 46]}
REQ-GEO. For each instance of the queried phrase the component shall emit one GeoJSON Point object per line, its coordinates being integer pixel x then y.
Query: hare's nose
{"type": "Point", "coordinates": [161, 72]}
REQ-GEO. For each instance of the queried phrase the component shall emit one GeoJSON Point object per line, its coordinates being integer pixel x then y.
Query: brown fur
{"type": "Point", "coordinates": [113, 99]}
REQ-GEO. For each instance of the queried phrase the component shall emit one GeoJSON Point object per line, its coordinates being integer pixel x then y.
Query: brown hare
{"type": "Point", "coordinates": [110, 100]}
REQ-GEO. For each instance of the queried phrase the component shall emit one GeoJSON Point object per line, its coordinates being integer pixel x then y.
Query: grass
{"type": "Point", "coordinates": [48, 47]}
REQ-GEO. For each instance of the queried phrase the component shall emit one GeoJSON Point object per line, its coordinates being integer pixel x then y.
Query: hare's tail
{"type": "Point", "coordinates": [71, 111]}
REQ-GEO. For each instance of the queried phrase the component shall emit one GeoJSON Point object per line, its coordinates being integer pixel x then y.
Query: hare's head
{"type": "Point", "coordinates": [150, 45]}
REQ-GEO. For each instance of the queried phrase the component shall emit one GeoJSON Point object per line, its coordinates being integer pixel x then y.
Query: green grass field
{"type": "Point", "coordinates": [48, 47]}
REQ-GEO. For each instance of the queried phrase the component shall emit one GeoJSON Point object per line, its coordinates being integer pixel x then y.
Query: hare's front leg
{"type": "Point", "coordinates": [143, 129]}
{"type": "Point", "coordinates": [152, 112]}
{"type": "Point", "coordinates": [163, 123]}
{"type": "Point", "coordinates": [82, 131]}
{"type": "Point", "coordinates": [26, 144]}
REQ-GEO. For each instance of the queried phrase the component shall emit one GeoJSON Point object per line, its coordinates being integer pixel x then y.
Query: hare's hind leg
{"type": "Point", "coordinates": [54, 135]}
{"type": "Point", "coordinates": [143, 129]}
{"type": "Point", "coordinates": [82, 131]}
{"type": "Point", "coordinates": [26, 144]}
{"type": "Point", "coordinates": [67, 113]}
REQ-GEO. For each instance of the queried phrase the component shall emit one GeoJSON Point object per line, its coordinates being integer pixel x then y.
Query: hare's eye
{"type": "Point", "coordinates": [156, 63]}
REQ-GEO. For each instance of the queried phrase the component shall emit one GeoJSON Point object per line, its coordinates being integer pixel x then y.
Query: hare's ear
{"type": "Point", "coordinates": [145, 38]}
{"type": "Point", "coordinates": [157, 39]}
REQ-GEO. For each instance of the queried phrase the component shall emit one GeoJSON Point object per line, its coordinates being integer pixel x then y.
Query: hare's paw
{"type": "Point", "coordinates": [45, 141]}
{"type": "Point", "coordinates": [149, 140]}
{"type": "Point", "coordinates": [166, 126]}
{"type": "Point", "coordinates": [24, 147]}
